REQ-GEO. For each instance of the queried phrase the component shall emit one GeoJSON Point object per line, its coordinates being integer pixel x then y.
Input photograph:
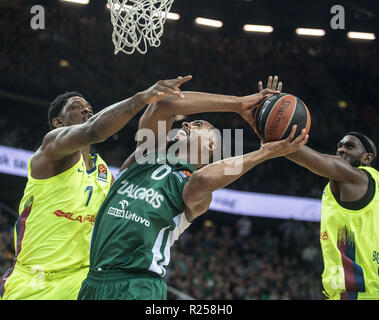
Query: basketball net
{"type": "Point", "coordinates": [137, 24]}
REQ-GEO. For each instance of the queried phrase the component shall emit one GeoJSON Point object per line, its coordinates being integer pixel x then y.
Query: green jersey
{"type": "Point", "coordinates": [141, 217]}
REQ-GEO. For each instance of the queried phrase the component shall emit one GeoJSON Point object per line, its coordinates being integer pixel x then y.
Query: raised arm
{"type": "Point", "coordinates": [328, 166]}
{"type": "Point", "coordinates": [197, 102]}
{"type": "Point", "coordinates": [64, 141]}
{"type": "Point", "coordinates": [197, 193]}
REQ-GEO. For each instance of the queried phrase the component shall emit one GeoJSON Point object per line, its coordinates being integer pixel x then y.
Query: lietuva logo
{"type": "Point", "coordinates": [126, 214]}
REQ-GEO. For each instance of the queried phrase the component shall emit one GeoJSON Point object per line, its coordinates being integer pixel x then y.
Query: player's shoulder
{"type": "Point", "coordinates": [51, 136]}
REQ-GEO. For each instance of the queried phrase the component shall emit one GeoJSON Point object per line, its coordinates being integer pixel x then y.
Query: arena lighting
{"type": "Point", "coordinates": [77, 1]}
{"type": "Point", "coordinates": [173, 16]}
{"type": "Point", "coordinates": [170, 15]}
{"type": "Point", "coordinates": [257, 28]}
{"type": "Point", "coordinates": [209, 22]}
{"type": "Point", "coordinates": [64, 63]}
{"type": "Point", "coordinates": [310, 32]}
{"type": "Point", "coordinates": [361, 35]}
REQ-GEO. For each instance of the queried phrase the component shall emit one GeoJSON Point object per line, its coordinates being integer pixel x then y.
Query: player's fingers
{"type": "Point", "coordinates": [269, 82]}
{"type": "Point", "coordinates": [305, 141]}
{"type": "Point", "coordinates": [280, 86]}
{"type": "Point", "coordinates": [169, 90]}
{"type": "Point", "coordinates": [158, 93]}
{"type": "Point", "coordinates": [180, 80]}
{"type": "Point", "coordinates": [260, 86]}
{"type": "Point", "coordinates": [292, 133]}
{"type": "Point", "coordinates": [300, 137]}
{"type": "Point", "coordinates": [275, 83]}
{"type": "Point", "coordinates": [170, 87]}
{"type": "Point", "coordinates": [268, 91]}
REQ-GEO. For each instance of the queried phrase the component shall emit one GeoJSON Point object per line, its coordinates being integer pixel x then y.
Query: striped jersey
{"type": "Point", "coordinates": [141, 217]}
{"type": "Point", "coordinates": [350, 246]}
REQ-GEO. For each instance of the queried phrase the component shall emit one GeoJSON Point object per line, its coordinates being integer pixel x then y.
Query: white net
{"type": "Point", "coordinates": [138, 24]}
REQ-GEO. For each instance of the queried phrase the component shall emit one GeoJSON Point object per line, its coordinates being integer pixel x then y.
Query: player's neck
{"type": "Point", "coordinates": [87, 158]}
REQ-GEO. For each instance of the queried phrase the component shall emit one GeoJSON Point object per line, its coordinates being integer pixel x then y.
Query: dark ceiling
{"type": "Point", "coordinates": [360, 15]}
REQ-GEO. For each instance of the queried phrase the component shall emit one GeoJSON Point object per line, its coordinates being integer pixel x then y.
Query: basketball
{"type": "Point", "coordinates": [277, 114]}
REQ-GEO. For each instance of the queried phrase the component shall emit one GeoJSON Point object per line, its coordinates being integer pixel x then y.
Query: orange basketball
{"type": "Point", "coordinates": [277, 114]}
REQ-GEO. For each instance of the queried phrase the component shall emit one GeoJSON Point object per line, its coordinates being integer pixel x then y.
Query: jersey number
{"type": "Point", "coordinates": [89, 189]}
{"type": "Point", "coordinates": [161, 172]}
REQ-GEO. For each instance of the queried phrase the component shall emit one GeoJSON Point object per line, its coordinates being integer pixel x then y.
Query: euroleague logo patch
{"type": "Point", "coordinates": [102, 171]}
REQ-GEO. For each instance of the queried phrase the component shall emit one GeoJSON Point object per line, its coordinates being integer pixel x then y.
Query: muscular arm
{"type": "Point", "coordinates": [60, 147]}
{"type": "Point", "coordinates": [197, 193]}
{"type": "Point", "coordinates": [198, 102]}
{"type": "Point", "coordinates": [346, 182]}
{"type": "Point", "coordinates": [64, 141]}
{"type": "Point", "coordinates": [191, 103]}
{"type": "Point", "coordinates": [325, 165]}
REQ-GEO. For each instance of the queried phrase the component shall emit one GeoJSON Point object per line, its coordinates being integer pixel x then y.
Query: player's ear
{"type": "Point", "coordinates": [367, 158]}
{"type": "Point", "coordinates": [57, 122]}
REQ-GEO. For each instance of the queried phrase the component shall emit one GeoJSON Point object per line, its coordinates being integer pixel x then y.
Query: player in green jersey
{"type": "Point", "coordinates": [66, 186]}
{"type": "Point", "coordinates": [152, 203]}
{"type": "Point", "coordinates": [349, 216]}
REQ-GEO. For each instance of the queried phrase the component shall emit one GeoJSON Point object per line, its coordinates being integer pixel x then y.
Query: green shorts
{"type": "Point", "coordinates": [121, 285]}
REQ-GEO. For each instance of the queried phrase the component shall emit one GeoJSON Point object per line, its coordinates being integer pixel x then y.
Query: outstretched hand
{"type": "Point", "coordinates": [249, 103]}
{"type": "Point", "coordinates": [273, 84]}
{"type": "Point", "coordinates": [164, 88]}
{"type": "Point", "coordinates": [286, 146]}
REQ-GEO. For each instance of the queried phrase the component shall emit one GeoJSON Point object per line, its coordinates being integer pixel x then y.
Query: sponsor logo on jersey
{"type": "Point", "coordinates": [102, 171]}
{"type": "Point", "coordinates": [121, 213]}
{"type": "Point", "coordinates": [154, 198]}
{"type": "Point", "coordinates": [79, 218]}
{"type": "Point", "coordinates": [186, 173]}
{"type": "Point", "coordinates": [323, 235]}
{"type": "Point", "coordinates": [183, 174]}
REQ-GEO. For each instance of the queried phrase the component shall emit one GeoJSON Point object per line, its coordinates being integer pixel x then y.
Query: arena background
{"type": "Point", "coordinates": [222, 255]}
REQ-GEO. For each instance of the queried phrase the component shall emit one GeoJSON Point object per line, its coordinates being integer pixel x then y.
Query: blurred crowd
{"type": "Point", "coordinates": [219, 262]}
{"type": "Point", "coordinates": [336, 80]}
{"type": "Point", "coordinates": [241, 261]}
